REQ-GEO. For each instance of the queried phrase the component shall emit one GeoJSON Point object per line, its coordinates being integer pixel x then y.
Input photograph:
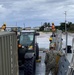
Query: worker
{"type": "Point", "coordinates": [3, 28]}
{"type": "Point", "coordinates": [50, 60]}
{"type": "Point", "coordinates": [50, 39]}
{"type": "Point", "coordinates": [53, 29]}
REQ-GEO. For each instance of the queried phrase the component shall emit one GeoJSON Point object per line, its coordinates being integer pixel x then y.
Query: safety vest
{"type": "Point", "coordinates": [53, 27]}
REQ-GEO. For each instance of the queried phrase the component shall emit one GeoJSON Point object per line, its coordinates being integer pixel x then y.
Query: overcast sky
{"type": "Point", "coordinates": [35, 12]}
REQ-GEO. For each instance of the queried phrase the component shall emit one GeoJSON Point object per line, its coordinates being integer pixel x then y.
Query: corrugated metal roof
{"type": "Point", "coordinates": [6, 33]}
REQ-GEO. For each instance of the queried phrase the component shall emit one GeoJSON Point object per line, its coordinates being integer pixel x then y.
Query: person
{"type": "Point", "coordinates": [50, 60]}
{"type": "Point", "coordinates": [50, 39]}
{"type": "Point", "coordinates": [53, 29]}
{"type": "Point", "coordinates": [3, 28]}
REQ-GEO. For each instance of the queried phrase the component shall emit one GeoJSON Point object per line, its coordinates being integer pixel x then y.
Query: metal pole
{"type": "Point", "coordinates": [24, 25]}
{"type": "Point", "coordinates": [66, 32]}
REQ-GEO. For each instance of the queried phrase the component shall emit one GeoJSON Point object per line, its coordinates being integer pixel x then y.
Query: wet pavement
{"type": "Point", "coordinates": [40, 67]}
{"type": "Point", "coordinates": [44, 43]}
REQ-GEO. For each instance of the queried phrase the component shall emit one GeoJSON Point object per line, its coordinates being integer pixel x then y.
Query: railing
{"type": "Point", "coordinates": [71, 67]}
{"type": "Point", "coordinates": [58, 40]}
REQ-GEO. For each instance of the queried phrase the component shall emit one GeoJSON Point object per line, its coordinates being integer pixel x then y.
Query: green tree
{"type": "Point", "coordinates": [69, 24]}
{"type": "Point", "coordinates": [45, 24]}
{"type": "Point", "coordinates": [62, 26]}
{"type": "Point", "coordinates": [57, 27]}
{"type": "Point", "coordinates": [41, 28]}
{"type": "Point", "coordinates": [48, 24]}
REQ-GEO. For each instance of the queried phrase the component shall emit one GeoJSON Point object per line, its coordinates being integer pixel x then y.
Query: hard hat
{"type": "Point", "coordinates": [52, 23]}
{"type": "Point", "coordinates": [4, 24]}
{"type": "Point", "coordinates": [50, 38]}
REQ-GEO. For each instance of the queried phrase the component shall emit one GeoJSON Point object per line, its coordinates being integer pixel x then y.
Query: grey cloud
{"type": "Point", "coordinates": [36, 9]}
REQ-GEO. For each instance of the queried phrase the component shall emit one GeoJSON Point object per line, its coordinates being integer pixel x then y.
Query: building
{"type": "Point", "coordinates": [36, 28]}
{"type": "Point", "coordinates": [47, 29]}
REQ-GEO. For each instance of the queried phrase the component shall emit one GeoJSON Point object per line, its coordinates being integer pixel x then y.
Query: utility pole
{"type": "Point", "coordinates": [66, 31]}
{"type": "Point", "coordinates": [24, 25]}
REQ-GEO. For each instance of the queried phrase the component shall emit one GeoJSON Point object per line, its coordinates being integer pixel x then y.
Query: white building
{"type": "Point", "coordinates": [47, 29]}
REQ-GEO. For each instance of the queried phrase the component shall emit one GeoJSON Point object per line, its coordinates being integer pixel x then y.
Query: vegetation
{"type": "Point", "coordinates": [44, 25]}
{"type": "Point", "coordinates": [70, 26]}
